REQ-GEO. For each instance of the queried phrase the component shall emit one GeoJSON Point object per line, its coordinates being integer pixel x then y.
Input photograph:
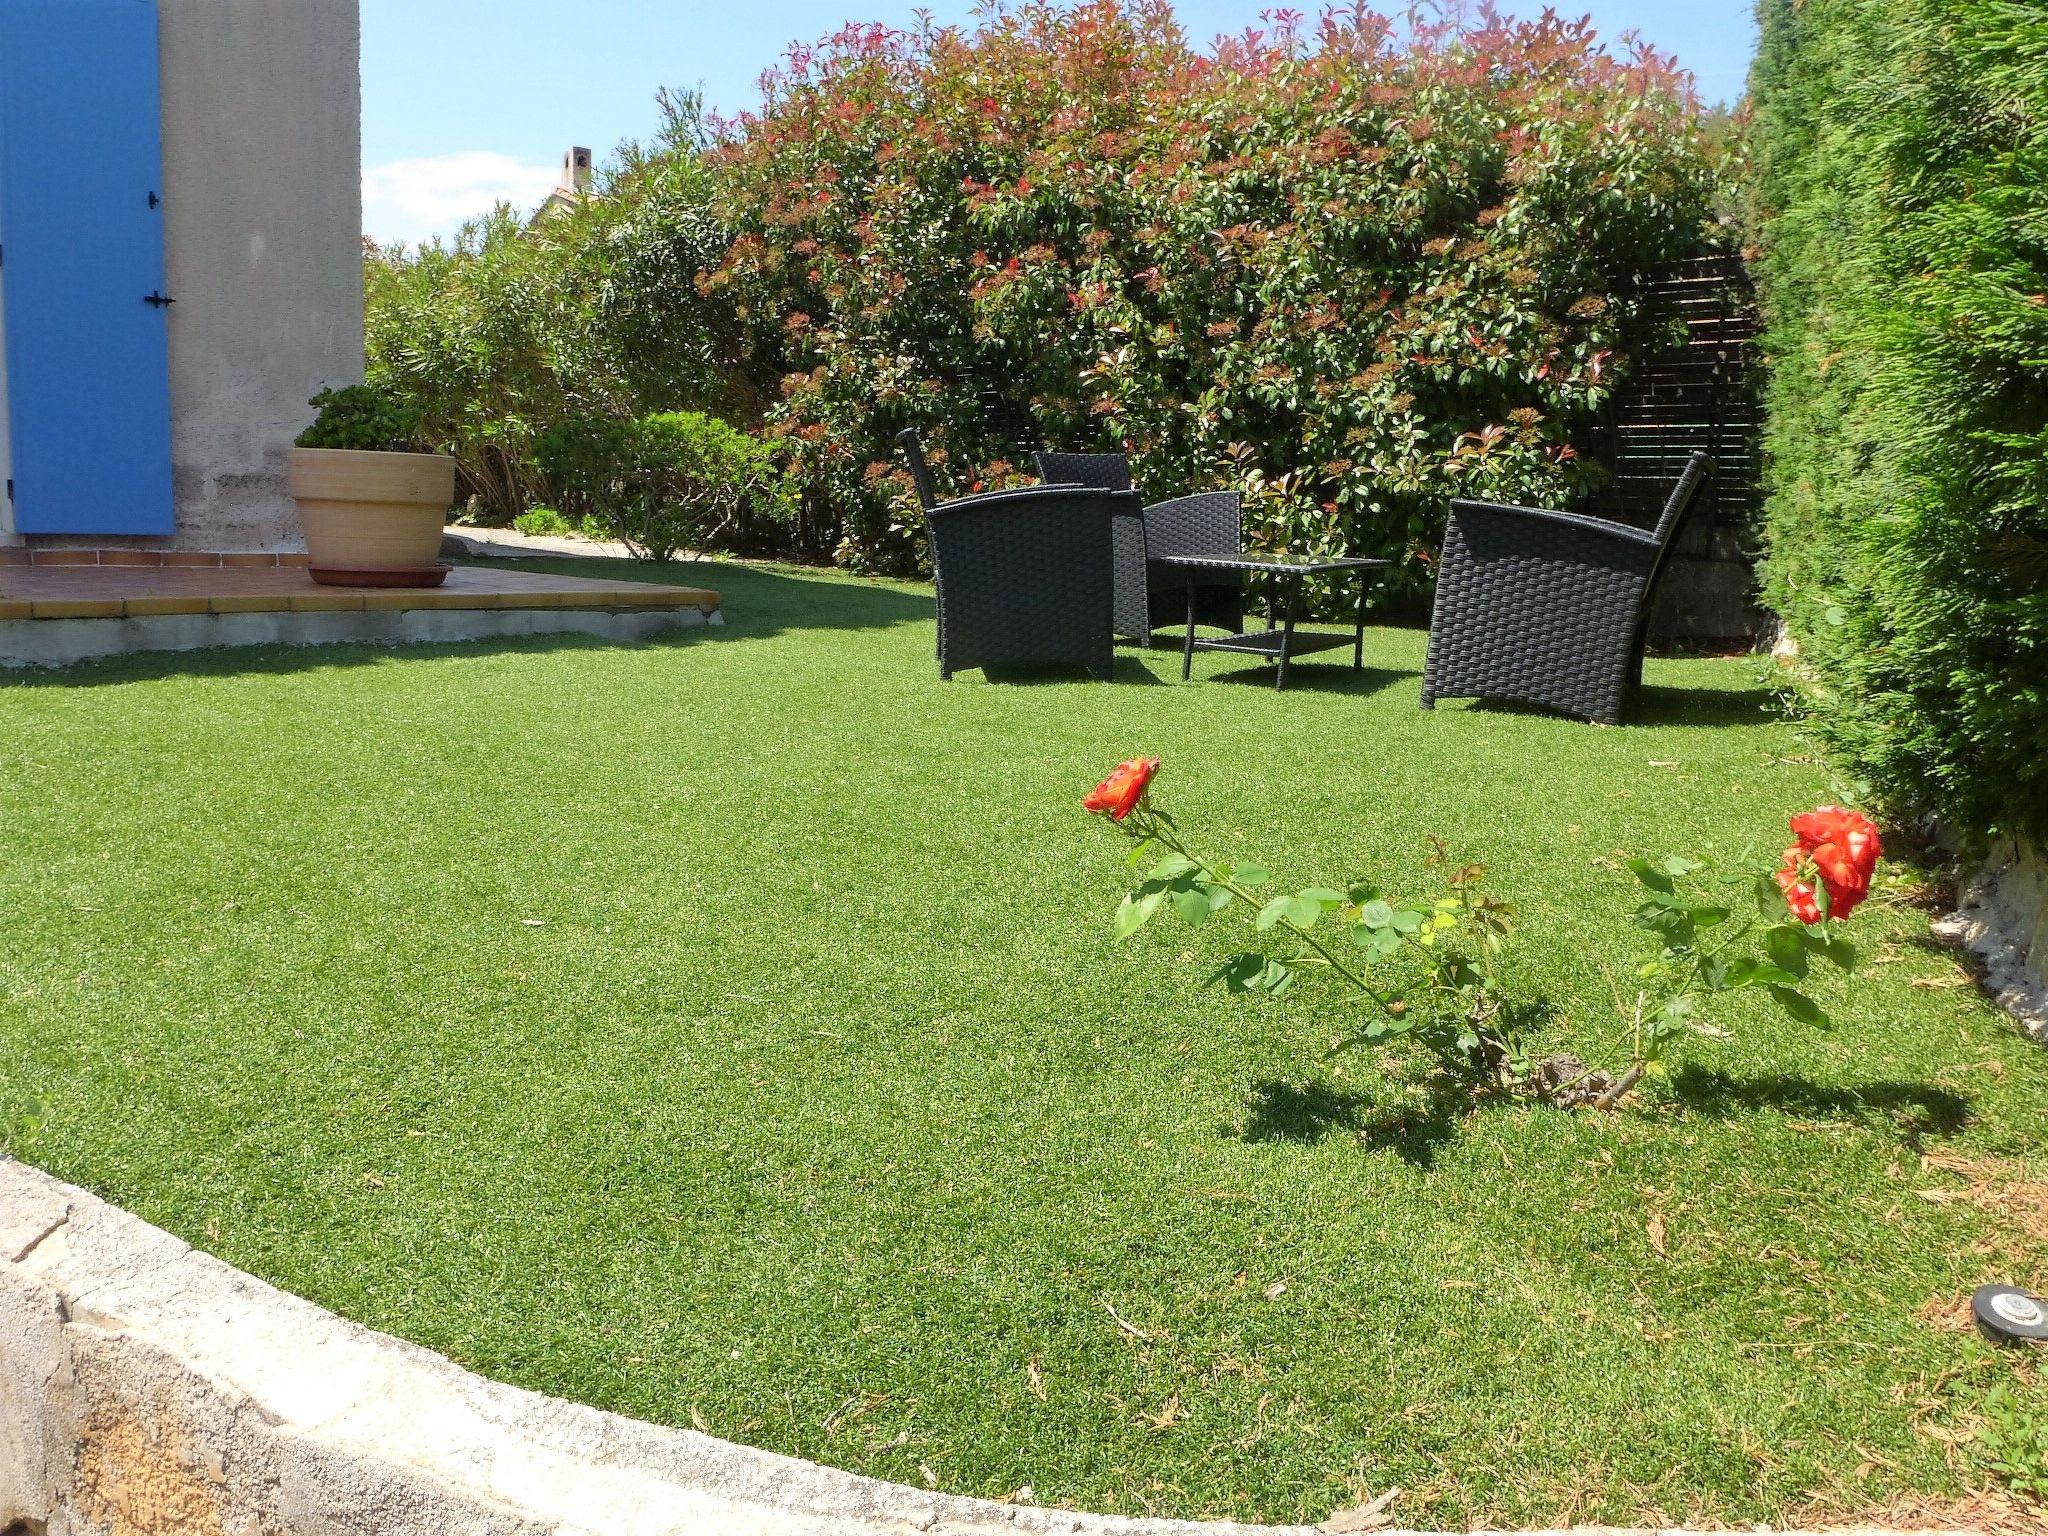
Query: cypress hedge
{"type": "Point", "coordinates": [1900, 177]}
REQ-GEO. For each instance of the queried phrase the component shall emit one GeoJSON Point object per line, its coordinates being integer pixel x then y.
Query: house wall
{"type": "Point", "coordinates": [262, 144]}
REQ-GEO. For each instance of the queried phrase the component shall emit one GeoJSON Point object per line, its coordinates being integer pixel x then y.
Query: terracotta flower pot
{"type": "Point", "coordinates": [372, 519]}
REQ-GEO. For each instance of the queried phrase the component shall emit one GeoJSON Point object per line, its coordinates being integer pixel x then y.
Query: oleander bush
{"type": "Point", "coordinates": [1901, 155]}
{"type": "Point", "coordinates": [488, 342]}
{"type": "Point", "coordinates": [508, 330]}
{"type": "Point", "coordinates": [1352, 273]}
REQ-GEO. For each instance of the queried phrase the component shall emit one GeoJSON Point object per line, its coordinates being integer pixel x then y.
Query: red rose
{"type": "Point", "coordinates": [1799, 892]}
{"type": "Point", "coordinates": [1118, 795]}
{"type": "Point", "coordinates": [1842, 847]}
{"type": "Point", "coordinates": [1837, 848]}
{"type": "Point", "coordinates": [1852, 831]}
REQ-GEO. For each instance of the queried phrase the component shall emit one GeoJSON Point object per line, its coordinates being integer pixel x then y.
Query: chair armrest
{"type": "Point", "coordinates": [1578, 521]}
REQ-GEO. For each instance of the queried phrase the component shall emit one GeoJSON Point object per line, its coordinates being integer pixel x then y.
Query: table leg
{"type": "Point", "coordinates": [1358, 641]}
{"type": "Point", "coordinates": [1287, 634]}
{"type": "Point", "coordinates": [1187, 650]}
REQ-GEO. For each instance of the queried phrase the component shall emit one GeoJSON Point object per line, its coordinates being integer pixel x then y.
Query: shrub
{"type": "Point", "coordinates": [663, 483]}
{"type": "Point", "coordinates": [2012, 1442]}
{"type": "Point", "coordinates": [362, 417]}
{"type": "Point", "coordinates": [1371, 275]}
{"type": "Point", "coordinates": [543, 522]}
{"type": "Point", "coordinates": [1901, 184]}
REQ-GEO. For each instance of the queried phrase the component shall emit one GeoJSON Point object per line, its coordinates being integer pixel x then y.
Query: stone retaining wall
{"type": "Point", "coordinates": [64, 642]}
{"type": "Point", "coordinates": [2001, 917]}
{"type": "Point", "coordinates": [148, 1389]}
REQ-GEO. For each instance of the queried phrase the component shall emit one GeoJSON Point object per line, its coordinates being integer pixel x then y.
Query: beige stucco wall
{"type": "Point", "coordinates": [262, 141]}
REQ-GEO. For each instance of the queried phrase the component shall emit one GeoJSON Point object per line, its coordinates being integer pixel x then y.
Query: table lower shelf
{"type": "Point", "coordinates": [1270, 643]}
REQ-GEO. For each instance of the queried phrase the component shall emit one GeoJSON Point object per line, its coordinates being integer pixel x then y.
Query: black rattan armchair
{"type": "Point", "coordinates": [1022, 578]}
{"type": "Point", "coordinates": [1148, 597]}
{"type": "Point", "coordinates": [1548, 607]}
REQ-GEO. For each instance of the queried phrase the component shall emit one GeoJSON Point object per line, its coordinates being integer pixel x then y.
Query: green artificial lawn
{"type": "Point", "coordinates": [729, 1031]}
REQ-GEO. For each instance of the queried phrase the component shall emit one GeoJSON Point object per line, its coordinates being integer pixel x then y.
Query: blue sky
{"type": "Point", "coordinates": [466, 102]}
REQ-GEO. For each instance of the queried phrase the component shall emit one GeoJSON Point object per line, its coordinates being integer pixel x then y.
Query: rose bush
{"type": "Point", "coordinates": [1428, 970]}
{"type": "Point", "coordinates": [1349, 274]}
{"type": "Point", "coordinates": [1703, 950]}
{"type": "Point", "coordinates": [1425, 967]}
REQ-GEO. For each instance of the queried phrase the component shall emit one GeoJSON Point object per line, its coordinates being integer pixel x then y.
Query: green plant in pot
{"type": "Point", "coordinates": [371, 508]}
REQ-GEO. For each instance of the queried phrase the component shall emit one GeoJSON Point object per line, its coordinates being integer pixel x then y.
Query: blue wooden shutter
{"type": "Point", "coordinates": [81, 258]}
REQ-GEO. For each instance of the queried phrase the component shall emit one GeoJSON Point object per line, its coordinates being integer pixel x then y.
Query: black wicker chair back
{"type": "Point", "coordinates": [1547, 607]}
{"type": "Point", "coordinates": [1025, 578]}
{"type": "Point", "coordinates": [1149, 597]}
{"type": "Point", "coordinates": [1679, 503]}
{"type": "Point", "coordinates": [1110, 472]}
{"type": "Point", "coordinates": [1211, 523]}
{"type": "Point", "coordinates": [1107, 471]}
{"type": "Point", "coordinates": [1208, 523]}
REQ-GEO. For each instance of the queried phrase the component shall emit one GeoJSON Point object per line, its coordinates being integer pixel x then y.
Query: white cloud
{"type": "Point", "coordinates": [416, 200]}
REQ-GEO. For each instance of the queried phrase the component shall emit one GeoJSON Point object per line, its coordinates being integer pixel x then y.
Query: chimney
{"type": "Point", "coordinates": [576, 172]}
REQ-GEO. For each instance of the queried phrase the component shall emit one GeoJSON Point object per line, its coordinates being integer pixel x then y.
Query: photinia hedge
{"type": "Point", "coordinates": [1353, 269]}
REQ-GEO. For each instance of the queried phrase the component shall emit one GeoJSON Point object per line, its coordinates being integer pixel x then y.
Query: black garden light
{"type": "Point", "coordinates": [2008, 1315]}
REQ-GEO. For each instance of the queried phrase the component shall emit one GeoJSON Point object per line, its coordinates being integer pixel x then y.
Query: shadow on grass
{"type": "Point", "coordinates": [1125, 669]}
{"type": "Point", "coordinates": [1301, 1112]}
{"type": "Point", "coordinates": [1308, 1113]}
{"type": "Point", "coordinates": [759, 600]}
{"type": "Point", "coordinates": [1308, 677]}
{"type": "Point", "coordinates": [1915, 1110]}
{"type": "Point", "coordinates": [284, 659]}
{"type": "Point", "coordinates": [1704, 707]}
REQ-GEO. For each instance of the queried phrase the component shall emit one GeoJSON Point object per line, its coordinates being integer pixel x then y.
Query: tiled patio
{"type": "Point", "coordinates": [55, 613]}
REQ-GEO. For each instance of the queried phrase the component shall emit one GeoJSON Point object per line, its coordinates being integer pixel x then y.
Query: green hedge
{"type": "Point", "coordinates": [1901, 188]}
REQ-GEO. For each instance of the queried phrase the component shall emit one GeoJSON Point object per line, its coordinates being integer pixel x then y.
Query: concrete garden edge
{"type": "Point", "coordinates": [148, 1388]}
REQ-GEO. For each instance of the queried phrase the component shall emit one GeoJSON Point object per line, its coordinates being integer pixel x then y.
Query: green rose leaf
{"type": "Point", "coordinates": [1136, 911]}
{"type": "Point", "coordinates": [1191, 904]}
{"type": "Point", "coordinates": [1770, 901]}
{"type": "Point", "coordinates": [1650, 874]}
{"type": "Point", "coordinates": [1785, 944]}
{"type": "Point", "coordinates": [1378, 943]}
{"type": "Point", "coordinates": [1253, 973]}
{"type": "Point", "coordinates": [1305, 909]}
{"type": "Point", "coordinates": [1407, 920]}
{"type": "Point", "coordinates": [1798, 1004]}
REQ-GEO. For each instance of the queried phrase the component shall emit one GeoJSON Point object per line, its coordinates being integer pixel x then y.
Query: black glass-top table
{"type": "Point", "coordinates": [1279, 641]}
